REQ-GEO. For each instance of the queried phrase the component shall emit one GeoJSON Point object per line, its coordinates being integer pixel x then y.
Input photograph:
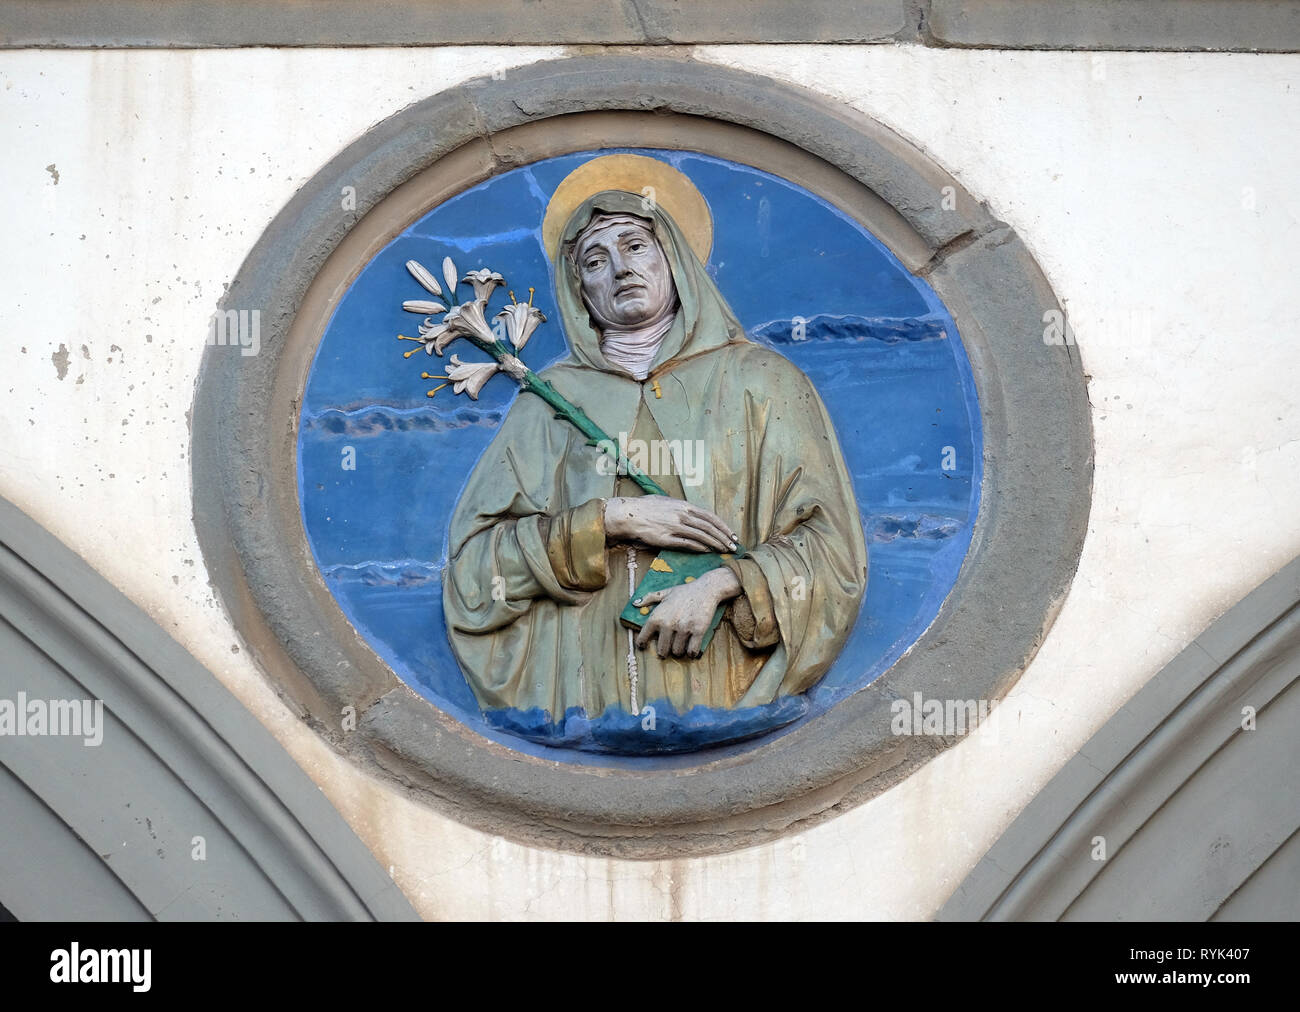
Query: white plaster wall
{"type": "Point", "coordinates": [1156, 190]}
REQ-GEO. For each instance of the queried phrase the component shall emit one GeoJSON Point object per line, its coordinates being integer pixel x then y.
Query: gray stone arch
{"type": "Point", "coordinates": [185, 808]}
{"type": "Point", "coordinates": [1183, 807]}
{"type": "Point", "coordinates": [1037, 430]}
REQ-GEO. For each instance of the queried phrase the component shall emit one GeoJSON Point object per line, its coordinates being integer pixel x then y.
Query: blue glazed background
{"type": "Point", "coordinates": [882, 350]}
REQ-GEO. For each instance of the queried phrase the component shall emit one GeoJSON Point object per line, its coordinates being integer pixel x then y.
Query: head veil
{"type": "Point", "coordinates": [704, 321]}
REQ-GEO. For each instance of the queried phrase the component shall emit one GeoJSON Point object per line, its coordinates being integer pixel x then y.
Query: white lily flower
{"type": "Point", "coordinates": [423, 275]}
{"type": "Point", "coordinates": [423, 307]}
{"type": "Point", "coordinates": [521, 320]}
{"type": "Point", "coordinates": [470, 376]}
{"type": "Point", "coordinates": [449, 275]}
{"type": "Point", "coordinates": [436, 336]}
{"type": "Point", "coordinates": [467, 320]}
{"type": "Point", "coordinates": [484, 281]}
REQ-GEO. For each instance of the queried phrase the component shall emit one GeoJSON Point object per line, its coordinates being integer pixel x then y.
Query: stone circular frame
{"type": "Point", "coordinates": [1033, 398]}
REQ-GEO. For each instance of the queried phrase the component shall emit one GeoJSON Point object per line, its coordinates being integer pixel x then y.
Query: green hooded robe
{"type": "Point", "coordinates": [532, 590]}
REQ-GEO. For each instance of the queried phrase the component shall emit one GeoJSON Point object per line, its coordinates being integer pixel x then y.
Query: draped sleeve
{"type": "Point", "coordinates": [804, 577]}
{"type": "Point", "coordinates": [517, 543]}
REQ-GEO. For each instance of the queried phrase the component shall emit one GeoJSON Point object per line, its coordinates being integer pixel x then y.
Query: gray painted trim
{"type": "Point", "coordinates": [49, 872]}
{"type": "Point", "coordinates": [1270, 893]}
{"type": "Point", "coordinates": [1217, 25]}
{"type": "Point", "coordinates": [1038, 475]}
{"type": "Point", "coordinates": [223, 23]}
{"type": "Point", "coordinates": [106, 831]}
{"type": "Point", "coordinates": [1181, 723]}
{"type": "Point", "coordinates": [1264, 26]}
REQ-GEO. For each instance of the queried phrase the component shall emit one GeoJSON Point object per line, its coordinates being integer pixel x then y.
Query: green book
{"type": "Point", "coordinates": [670, 569]}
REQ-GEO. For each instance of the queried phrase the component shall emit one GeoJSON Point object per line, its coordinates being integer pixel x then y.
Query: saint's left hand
{"type": "Point", "coordinates": [683, 617]}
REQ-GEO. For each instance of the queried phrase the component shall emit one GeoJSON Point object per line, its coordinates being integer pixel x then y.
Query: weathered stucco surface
{"type": "Point", "coordinates": [1155, 190]}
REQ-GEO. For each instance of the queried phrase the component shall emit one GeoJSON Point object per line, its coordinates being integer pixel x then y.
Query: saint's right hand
{"type": "Point", "coordinates": [664, 522]}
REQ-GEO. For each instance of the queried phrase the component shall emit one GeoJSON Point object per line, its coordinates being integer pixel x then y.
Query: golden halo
{"type": "Point", "coordinates": [671, 189]}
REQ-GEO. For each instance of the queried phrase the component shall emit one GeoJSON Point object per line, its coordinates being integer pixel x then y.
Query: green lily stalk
{"type": "Point", "coordinates": [468, 320]}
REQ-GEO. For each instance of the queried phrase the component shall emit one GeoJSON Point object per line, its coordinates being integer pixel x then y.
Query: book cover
{"type": "Point", "coordinates": [671, 569]}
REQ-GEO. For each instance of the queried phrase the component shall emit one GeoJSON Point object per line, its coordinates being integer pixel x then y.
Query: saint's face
{"type": "Point", "coordinates": [625, 277]}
